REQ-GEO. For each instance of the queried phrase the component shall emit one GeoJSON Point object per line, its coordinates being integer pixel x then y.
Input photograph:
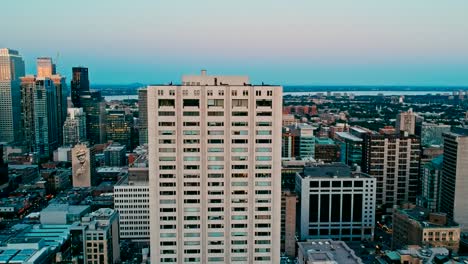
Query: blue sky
{"type": "Point", "coordinates": [398, 42]}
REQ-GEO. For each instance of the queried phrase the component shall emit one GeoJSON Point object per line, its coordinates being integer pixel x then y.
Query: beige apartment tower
{"type": "Point", "coordinates": [215, 168]}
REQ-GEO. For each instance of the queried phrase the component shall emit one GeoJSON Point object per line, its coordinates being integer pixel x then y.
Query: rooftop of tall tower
{"type": "Point", "coordinates": [7, 52]}
{"type": "Point", "coordinates": [204, 79]}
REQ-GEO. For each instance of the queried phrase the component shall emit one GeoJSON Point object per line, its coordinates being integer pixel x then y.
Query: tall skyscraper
{"type": "Point", "coordinates": [143, 116]}
{"type": "Point", "coordinates": [94, 107]}
{"type": "Point", "coordinates": [61, 93]}
{"type": "Point", "coordinates": [45, 117]}
{"type": "Point", "coordinates": [74, 128]}
{"type": "Point", "coordinates": [11, 69]}
{"type": "Point", "coordinates": [406, 121]}
{"type": "Point", "coordinates": [215, 168]}
{"type": "Point", "coordinates": [39, 115]}
{"type": "Point", "coordinates": [394, 161]}
{"type": "Point", "coordinates": [79, 84]}
{"type": "Point", "coordinates": [45, 67]}
{"type": "Point", "coordinates": [28, 84]}
{"type": "Point", "coordinates": [454, 177]}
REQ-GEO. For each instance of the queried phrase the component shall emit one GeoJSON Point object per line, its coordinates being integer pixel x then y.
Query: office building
{"type": "Point", "coordinates": [74, 128]}
{"type": "Point", "coordinates": [215, 163]}
{"type": "Point", "coordinates": [288, 223]}
{"type": "Point", "coordinates": [28, 84]}
{"type": "Point", "coordinates": [94, 107]}
{"type": "Point", "coordinates": [83, 166]}
{"type": "Point", "coordinates": [11, 70]}
{"type": "Point", "coordinates": [61, 93]}
{"type": "Point", "coordinates": [417, 226]}
{"type": "Point", "coordinates": [96, 238]}
{"type": "Point", "coordinates": [45, 117]}
{"type": "Point", "coordinates": [119, 126]}
{"type": "Point", "coordinates": [432, 134]}
{"type": "Point", "coordinates": [406, 121]}
{"type": "Point", "coordinates": [327, 251]}
{"type": "Point", "coordinates": [394, 161]}
{"type": "Point", "coordinates": [39, 115]}
{"type": "Point", "coordinates": [304, 141]}
{"type": "Point", "coordinates": [454, 175]}
{"type": "Point", "coordinates": [45, 67]}
{"type": "Point", "coordinates": [79, 85]}
{"type": "Point", "coordinates": [351, 148]}
{"type": "Point", "coordinates": [326, 150]}
{"type": "Point", "coordinates": [143, 116]}
{"type": "Point", "coordinates": [335, 203]}
{"type": "Point", "coordinates": [131, 200]}
{"type": "Point", "coordinates": [3, 168]}
{"type": "Point", "coordinates": [287, 146]}
{"type": "Point", "coordinates": [114, 155]}
{"type": "Point", "coordinates": [431, 185]}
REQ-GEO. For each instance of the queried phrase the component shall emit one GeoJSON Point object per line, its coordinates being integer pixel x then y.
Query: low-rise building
{"type": "Point", "coordinates": [96, 238]}
{"type": "Point", "coordinates": [326, 251]}
{"type": "Point", "coordinates": [415, 255]}
{"type": "Point", "coordinates": [417, 226]}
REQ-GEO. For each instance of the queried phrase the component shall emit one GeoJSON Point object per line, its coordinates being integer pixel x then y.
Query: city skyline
{"type": "Point", "coordinates": [309, 43]}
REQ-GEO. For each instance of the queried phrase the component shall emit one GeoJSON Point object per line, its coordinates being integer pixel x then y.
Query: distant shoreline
{"type": "Point", "coordinates": [122, 90]}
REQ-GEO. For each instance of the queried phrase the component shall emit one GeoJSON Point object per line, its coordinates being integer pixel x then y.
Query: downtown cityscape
{"type": "Point", "coordinates": [232, 164]}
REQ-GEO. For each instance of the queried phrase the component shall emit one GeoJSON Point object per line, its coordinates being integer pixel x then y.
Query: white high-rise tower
{"type": "Point", "coordinates": [215, 171]}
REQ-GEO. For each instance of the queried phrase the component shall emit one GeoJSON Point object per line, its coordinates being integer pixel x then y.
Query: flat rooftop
{"type": "Point", "coordinates": [421, 216]}
{"type": "Point", "coordinates": [327, 170]}
{"type": "Point", "coordinates": [328, 251]}
{"type": "Point", "coordinates": [348, 136]}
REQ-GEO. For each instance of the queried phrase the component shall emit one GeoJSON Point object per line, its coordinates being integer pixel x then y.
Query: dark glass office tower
{"type": "Point", "coordinates": [95, 108]}
{"type": "Point", "coordinates": [79, 84]}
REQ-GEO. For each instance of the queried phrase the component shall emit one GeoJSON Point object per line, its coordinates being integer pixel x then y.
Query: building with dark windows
{"type": "Point", "coordinates": [326, 150]}
{"type": "Point", "coordinates": [94, 106]}
{"type": "Point", "coordinates": [335, 203]}
{"type": "Point", "coordinates": [288, 223]}
{"type": "Point", "coordinates": [79, 84]}
{"type": "Point", "coordinates": [454, 176]}
{"type": "Point", "coordinates": [39, 115]}
{"type": "Point", "coordinates": [431, 184]}
{"type": "Point", "coordinates": [119, 127]}
{"type": "Point", "coordinates": [393, 159]}
{"type": "Point", "coordinates": [143, 116]}
{"type": "Point", "coordinates": [114, 155]}
{"type": "Point", "coordinates": [417, 226]}
{"type": "Point", "coordinates": [351, 148]}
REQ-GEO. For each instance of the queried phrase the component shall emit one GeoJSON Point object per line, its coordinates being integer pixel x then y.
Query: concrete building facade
{"type": "Point", "coordinates": [455, 177]}
{"type": "Point", "coordinates": [417, 226]}
{"type": "Point", "coordinates": [394, 161]}
{"type": "Point", "coordinates": [335, 203]}
{"type": "Point", "coordinates": [215, 166]}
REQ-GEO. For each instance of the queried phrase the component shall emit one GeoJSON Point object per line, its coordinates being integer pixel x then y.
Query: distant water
{"type": "Point", "coordinates": [356, 93]}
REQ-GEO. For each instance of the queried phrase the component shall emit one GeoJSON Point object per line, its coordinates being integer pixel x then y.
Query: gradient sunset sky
{"type": "Point", "coordinates": [355, 42]}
